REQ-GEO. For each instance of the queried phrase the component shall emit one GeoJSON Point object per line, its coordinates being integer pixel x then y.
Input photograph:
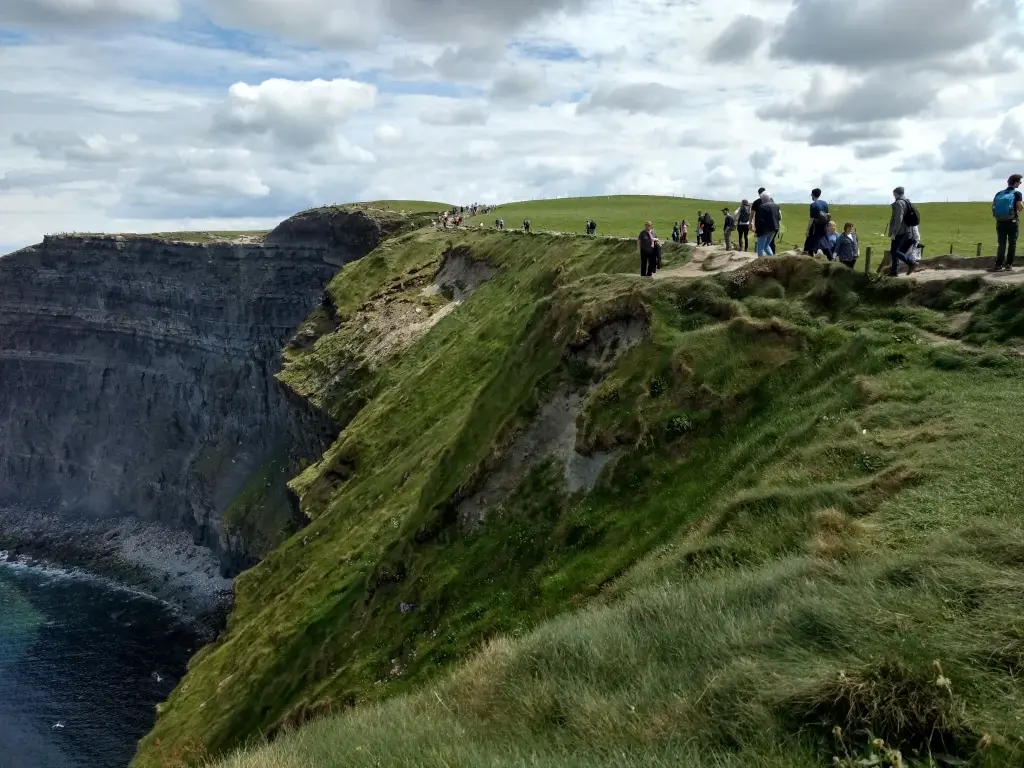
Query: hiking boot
{"type": "Point", "coordinates": [996, 268]}
{"type": "Point", "coordinates": [1008, 268]}
{"type": "Point", "coordinates": [911, 268]}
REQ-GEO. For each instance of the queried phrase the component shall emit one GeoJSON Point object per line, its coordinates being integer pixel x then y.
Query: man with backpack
{"type": "Point", "coordinates": [818, 226]}
{"type": "Point", "coordinates": [742, 216]}
{"type": "Point", "coordinates": [904, 218]}
{"type": "Point", "coordinates": [767, 221]}
{"type": "Point", "coordinates": [730, 227]}
{"type": "Point", "coordinates": [1006, 208]}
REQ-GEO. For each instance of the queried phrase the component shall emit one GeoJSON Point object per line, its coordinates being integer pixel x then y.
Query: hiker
{"type": "Point", "coordinates": [650, 250]}
{"type": "Point", "coordinates": [526, 226]}
{"type": "Point", "coordinates": [755, 207]}
{"type": "Point", "coordinates": [742, 217]}
{"type": "Point", "coordinates": [593, 227]}
{"type": "Point", "coordinates": [847, 248]}
{"type": "Point", "coordinates": [819, 220]}
{"type": "Point", "coordinates": [766, 224]}
{"type": "Point", "coordinates": [709, 228]}
{"type": "Point", "coordinates": [901, 225]}
{"type": "Point", "coordinates": [827, 244]}
{"type": "Point", "coordinates": [730, 226]}
{"type": "Point", "coordinates": [700, 227]}
{"type": "Point", "coordinates": [683, 228]}
{"type": "Point", "coordinates": [1006, 208]}
{"type": "Point", "coordinates": [676, 234]}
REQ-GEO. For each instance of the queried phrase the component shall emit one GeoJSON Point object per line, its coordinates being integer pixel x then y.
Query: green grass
{"type": "Point", "coordinates": [962, 225]}
{"type": "Point", "coordinates": [812, 505]}
{"type": "Point", "coordinates": [208, 237]}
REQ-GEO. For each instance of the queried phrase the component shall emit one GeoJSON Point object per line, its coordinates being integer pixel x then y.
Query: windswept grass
{"type": "Point", "coordinates": [812, 504]}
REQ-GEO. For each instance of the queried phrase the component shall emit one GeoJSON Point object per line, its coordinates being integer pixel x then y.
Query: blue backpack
{"type": "Point", "coordinates": [1004, 207]}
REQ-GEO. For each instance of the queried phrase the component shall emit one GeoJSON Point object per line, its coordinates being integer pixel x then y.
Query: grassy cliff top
{"type": "Point", "coordinates": [962, 225]}
{"type": "Point", "coordinates": [577, 517]}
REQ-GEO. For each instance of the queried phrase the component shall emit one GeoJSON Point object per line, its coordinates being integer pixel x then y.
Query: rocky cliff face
{"type": "Point", "coordinates": [137, 384]}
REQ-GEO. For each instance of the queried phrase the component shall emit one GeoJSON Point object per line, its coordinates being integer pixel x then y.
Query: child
{"type": "Point", "coordinates": [847, 247]}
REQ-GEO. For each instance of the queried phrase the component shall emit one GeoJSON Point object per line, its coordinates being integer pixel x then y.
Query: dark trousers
{"type": "Point", "coordinates": [772, 243]}
{"type": "Point", "coordinates": [742, 238]}
{"type": "Point", "coordinates": [649, 261]}
{"type": "Point", "coordinates": [898, 248]}
{"type": "Point", "coordinates": [1007, 232]}
{"type": "Point", "coordinates": [850, 264]}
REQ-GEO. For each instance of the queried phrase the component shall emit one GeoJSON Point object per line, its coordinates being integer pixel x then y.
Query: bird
{"type": "Point", "coordinates": [58, 725]}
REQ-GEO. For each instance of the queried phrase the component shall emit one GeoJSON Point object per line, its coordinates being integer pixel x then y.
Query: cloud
{"type": "Point", "coordinates": [293, 113]}
{"type": "Point", "coordinates": [355, 22]}
{"type": "Point", "coordinates": [634, 98]}
{"type": "Point", "coordinates": [467, 62]}
{"type": "Point", "coordinates": [875, 149]}
{"type": "Point", "coordinates": [521, 85]}
{"type": "Point", "coordinates": [926, 161]}
{"type": "Point", "coordinates": [387, 134]}
{"type": "Point", "coordinates": [75, 148]}
{"type": "Point", "coordinates": [455, 114]}
{"type": "Point", "coordinates": [872, 34]}
{"type": "Point", "coordinates": [740, 40]}
{"type": "Point", "coordinates": [65, 13]}
{"type": "Point", "coordinates": [837, 134]}
{"type": "Point", "coordinates": [761, 159]}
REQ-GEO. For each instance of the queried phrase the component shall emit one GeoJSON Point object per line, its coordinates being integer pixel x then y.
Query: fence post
{"type": "Point", "coordinates": [867, 262]}
{"type": "Point", "coordinates": [950, 249]}
{"type": "Point", "coordinates": [979, 250]}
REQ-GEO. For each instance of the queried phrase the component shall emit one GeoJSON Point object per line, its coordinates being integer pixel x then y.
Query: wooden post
{"type": "Point", "coordinates": [979, 250]}
{"type": "Point", "coordinates": [867, 262]}
{"type": "Point", "coordinates": [950, 249]}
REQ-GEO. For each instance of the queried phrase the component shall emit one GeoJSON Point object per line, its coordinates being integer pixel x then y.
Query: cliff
{"type": "Point", "coordinates": [140, 421]}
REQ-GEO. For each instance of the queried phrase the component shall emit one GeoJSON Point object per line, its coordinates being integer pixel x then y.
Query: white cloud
{"type": "Point", "coordinates": [295, 113]}
{"type": "Point", "coordinates": [388, 134]}
{"type": "Point", "coordinates": [66, 12]}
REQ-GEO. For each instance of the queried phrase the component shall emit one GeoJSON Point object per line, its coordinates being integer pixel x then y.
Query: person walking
{"type": "Point", "coordinates": [729, 228]}
{"type": "Point", "coordinates": [700, 227]}
{"type": "Point", "coordinates": [901, 231]}
{"type": "Point", "coordinates": [683, 229]}
{"type": "Point", "coordinates": [1006, 208]}
{"type": "Point", "coordinates": [676, 235]}
{"type": "Point", "coordinates": [817, 228]}
{"type": "Point", "coordinates": [649, 249]}
{"type": "Point", "coordinates": [743, 226]}
{"type": "Point", "coordinates": [766, 224]}
{"type": "Point", "coordinates": [847, 249]}
{"type": "Point", "coordinates": [526, 226]}
{"type": "Point", "coordinates": [709, 228]}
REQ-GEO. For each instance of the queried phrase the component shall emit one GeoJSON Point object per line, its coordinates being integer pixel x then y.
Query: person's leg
{"type": "Point", "coordinates": [1001, 237]}
{"type": "Point", "coordinates": [762, 245]}
{"type": "Point", "coordinates": [728, 241]}
{"type": "Point", "coordinates": [770, 250]}
{"type": "Point", "coordinates": [1013, 232]}
{"type": "Point", "coordinates": [644, 271]}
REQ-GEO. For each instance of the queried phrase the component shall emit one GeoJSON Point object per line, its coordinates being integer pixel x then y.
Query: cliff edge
{"type": "Point", "coordinates": [142, 432]}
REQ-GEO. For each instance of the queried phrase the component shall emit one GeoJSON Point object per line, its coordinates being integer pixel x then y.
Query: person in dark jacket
{"type": "Point", "coordinates": [817, 228]}
{"type": "Point", "coordinates": [743, 216]}
{"type": "Point", "coordinates": [729, 228]}
{"type": "Point", "coordinates": [847, 249]}
{"type": "Point", "coordinates": [649, 248]}
{"type": "Point", "coordinates": [767, 221]}
{"type": "Point", "coordinates": [709, 227]}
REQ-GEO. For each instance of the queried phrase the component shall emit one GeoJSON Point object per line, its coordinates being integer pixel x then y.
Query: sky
{"type": "Point", "coordinates": [163, 115]}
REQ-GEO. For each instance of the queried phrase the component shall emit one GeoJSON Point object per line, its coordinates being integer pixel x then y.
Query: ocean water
{"type": "Point", "coordinates": [82, 666]}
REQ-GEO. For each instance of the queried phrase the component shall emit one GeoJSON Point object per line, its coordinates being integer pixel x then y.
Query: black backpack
{"type": "Point", "coordinates": [911, 216]}
{"type": "Point", "coordinates": [744, 214]}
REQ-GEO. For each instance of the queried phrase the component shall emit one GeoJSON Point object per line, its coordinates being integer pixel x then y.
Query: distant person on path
{"type": "Point", "coordinates": [1006, 208]}
{"type": "Point", "coordinates": [683, 228]}
{"type": "Point", "coordinates": [817, 228]}
{"type": "Point", "coordinates": [676, 234]}
{"type": "Point", "coordinates": [901, 231]}
{"type": "Point", "coordinates": [649, 249]}
{"type": "Point", "coordinates": [847, 249]}
{"type": "Point", "coordinates": [766, 224]}
{"type": "Point", "coordinates": [743, 226]}
{"type": "Point", "coordinates": [700, 227]}
{"type": "Point", "coordinates": [709, 228]}
{"type": "Point", "coordinates": [500, 223]}
{"type": "Point", "coordinates": [526, 226]}
{"type": "Point", "coordinates": [729, 227]}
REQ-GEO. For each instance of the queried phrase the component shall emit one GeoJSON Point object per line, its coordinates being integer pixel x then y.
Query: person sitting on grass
{"type": "Point", "coordinates": [847, 247]}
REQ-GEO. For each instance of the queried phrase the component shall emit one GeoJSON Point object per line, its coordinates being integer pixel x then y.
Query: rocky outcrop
{"type": "Point", "coordinates": [137, 382]}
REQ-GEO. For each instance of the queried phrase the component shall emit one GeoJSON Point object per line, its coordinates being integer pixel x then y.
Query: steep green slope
{"type": "Point", "coordinates": [960, 225]}
{"type": "Point", "coordinates": [319, 624]}
{"type": "Point", "coordinates": [822, 480]}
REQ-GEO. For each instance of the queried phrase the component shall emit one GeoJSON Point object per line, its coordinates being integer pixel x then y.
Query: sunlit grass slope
{"type": "Point", "coordinates": [962, 225]}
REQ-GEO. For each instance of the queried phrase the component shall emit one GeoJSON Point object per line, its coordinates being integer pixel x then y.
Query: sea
{"type": "Point", "coordinates": [83, 664]}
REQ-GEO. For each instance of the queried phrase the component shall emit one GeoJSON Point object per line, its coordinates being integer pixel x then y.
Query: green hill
{"type": "Point", "coordinates": [960, 225]}
{"type": "Point", "coordinates": [581, 518]}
